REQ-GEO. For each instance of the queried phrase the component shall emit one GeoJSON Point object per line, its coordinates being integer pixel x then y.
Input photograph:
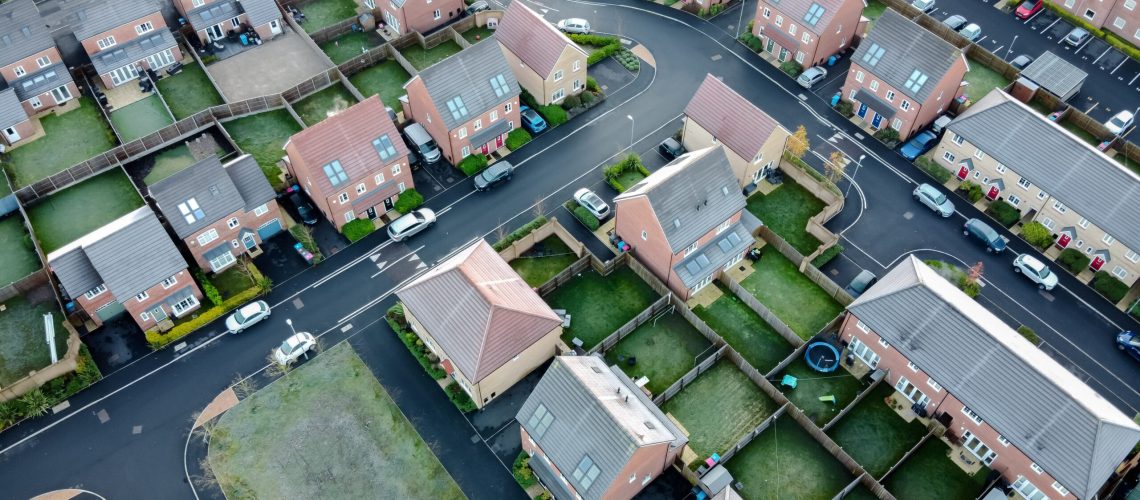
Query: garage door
{"type": "Point", "coordinates": [269, 229]}
{"type": "Point", "coordinates": [109, 311]}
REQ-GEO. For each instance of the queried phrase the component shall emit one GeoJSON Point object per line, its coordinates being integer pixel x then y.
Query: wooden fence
{"type": "Point", "coordinates": [747, 438]}
{"type": "Point", "coordinates": [24, 285]}
{"type": "Point", "coordinates": [860, 397]}
{"type": "Point", "coordinates": [657, 307]}
{"type": "Point", "coordinates": [698, 323]}
{"type": "Point", "coordinates": [815, 275]}
{"type": "Point", "coordinates": [907, 455]}
{"type": "Point", "coordinates": [761, 310]}
{"type": "Point", "coordinates": [565, 275]}
{"type": "Point", "coordinates": [689, 377]}
{"type": "Point", "coordinates": [825, 191]}
{"type": "Point", "coordinates": [797, 353]}
{"type": "Point", "coordinates": [551, 228]}
{"type": "Point", "coordinates": [646, 275]}
{"type": "Point", "coordinates": [312, 85]}
{"type": "Point", "coordinates": [38, 378]}
{"type": "Point", "coordinates": [344, 26]}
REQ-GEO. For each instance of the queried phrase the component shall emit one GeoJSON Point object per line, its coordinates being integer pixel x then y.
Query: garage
{"type": "Point", "coordinates": [269, 229]}
{"type": "Point", "coordinates": [112, 309]}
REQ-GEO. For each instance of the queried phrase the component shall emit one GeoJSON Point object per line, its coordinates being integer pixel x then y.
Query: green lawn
{"type": "Point", "coordinates": [349, 45]}
{"type": "Point", "coordinates": [264, 135]}
{"type": "Point", "coordinates": [813, 384]}
{"type": "Point", "coordinates": [718, 408]}
{"type": "Point", "coordinates": [745, 331]}
{"type": "Point", "coordinates": [16, 246]}
{"type": "Point", "coordinates": [72, 137]}
{"type": "Point", "coordinates": [385, 79]}
{"type": "Point", "coordinates": [786, 211]}
{"type": "Point", "coordinates": [169, 161]}
{"type": "Point", "coordinates": [323, 13]}
{"type": "Point", "coordinates": [629, 178]}
{"type": "Point", "coordinates": [73, 212]}
{"type": "Point", "coordinates": [790, 295]}
{"type": "Point", "coordinates": [141, 118]}
{"type": "Point", "coordinates": [930, 470]}
{"type": "Point", "coordinates": [784, 461]}
{"type": "Point", "coordinates": [189, 91]}
{"type": "Point", "coordinates": [982, 80]}
{"type": "Point", "coordinates": [664, 350]}
{"type": "Point", "coordinates": [324, 104]}
{"type": "Point", "coordinates": [600, 304]}
{"type": "Point", "coordinates": [22, 344]}
{"type": "Point", "coordinates": [232, 281]}
{"type": "Point", "coordinates": [477, 34]}
{"type": "Point", "coordinates": [327, 430]}
{"type": "Point", "coordinates": [874, 435]}
{"type": "Point", "coordinates": [537, 267]}
{"type": "Point", "coordinates": [872, 11]}
{"type": "Point", "coordinates": [1080, 132]}
{"type": "Point", "coordinates": [421, 58]}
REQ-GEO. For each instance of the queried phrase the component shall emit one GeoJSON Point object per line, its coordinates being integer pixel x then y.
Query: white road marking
{"type": "Point", "coordinates": [411, 254]}
{"type": "Point", "coordinates": [1122, 61]}
{"type": "Point", "coordinates": [1101, 55]}
{"type": "Point", "coordinates": [1133, 80]}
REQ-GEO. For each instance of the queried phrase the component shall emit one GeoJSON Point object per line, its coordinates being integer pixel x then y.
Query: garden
{"type": "Point", "coordinates": [141, 118]}
{"type": "Point", "coordinates": [626, 173]}
{"type": "Point", "coordinates": [663, 349]}
{"type": "Point", "coordinates": [744, 330]}
{"type": "Point", "coordinates": [543, 261]}
{"type": "Point", "coordinates": [386, 79]}
{"type": "Point", "coordinates": [786, 211]}
{"type": "Point", "coordinates": [784, 461]}
{"type": "Point", "coordinates": [71, 213]}
{"type": "Point", "coordinates": [22, 344]}
{"type": "Point", "coordinates": [874, 434]}
{"type": "Point", "coordinates": [599, 305]}
{"type": "Point", "coordinates": [40, 401]}
{"type": "Point", "coordinates": [19, 253]}
{"type": "Point", "coordinates": [477, 34]}
{"type": "Point", "coordinates": [263, 135]}
{"type": "Point", "coordinates": [349, 45]}
{"type": "Point", "coordinates": [718, 408]}
{"type": "Point", "coordinates": [821, 396]}
{"type": "Point", "coordinates": [70, 138]}
{"type": "Point", "coordinates": [323, 104]}
{"type": "Point", "coordinates": [168, 162]}
{"type": "Point", "coordinates": [189, 91]}
{"type": "Point", "coordinates": [321, 14]}
{"type": "Point", "coordinates": [796, 300]}
{"type": "Point", "coordinates": [422, 58]}
{"type": "Point", "coordinates": [931, 469]}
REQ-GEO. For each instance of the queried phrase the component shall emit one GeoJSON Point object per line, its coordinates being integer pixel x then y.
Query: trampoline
{"type": "Point", "coordinates": [822, 357]}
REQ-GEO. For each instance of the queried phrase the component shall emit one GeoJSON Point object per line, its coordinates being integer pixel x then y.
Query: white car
{"type": "Point", "coordinates": [1120, 122]}
{"type": "Point", "coordinates": [972, 32]}
{"type": "Point", "coordinates": [933, 199]}
{"type": "Point", "coordinates": [574, 25]}
{"type": "Point", "coordinates": [811, 76]}
{"type": "Point", "coordinates": [924, 5]}
{"type": "Point", "coordinates": [593, 203]}
{"type": "Point", "coordinates": [407, 226]}
{"type": "Point", "coordinates": [1035, 270]}
{"type": "Point", "coordinates": [249, 315]}
{"type": "Point", "coordinates": [294, 347]}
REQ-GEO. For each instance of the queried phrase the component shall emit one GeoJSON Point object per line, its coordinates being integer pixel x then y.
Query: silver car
{"type": "Point", "coordinates": [410, 224]}
{"type": "Point", "coordinates": [934, 199]}
{"type": "Point", "coordinates": [972, 32]}
{"type": "Point", "coordinates": [574, 25]}
{"type": "Point", "coordinates": [294, 347]}
{"type": "Point", "coordinates": [593, 203]}
{"type": "Point", "coordinates": [811, 76]}
{"type": "Point", "coordinates": [924, 5]}
{"type": "Point", "coordinates": [249, 315]}
{"type": "Point", "coordinates": [1036, 271]}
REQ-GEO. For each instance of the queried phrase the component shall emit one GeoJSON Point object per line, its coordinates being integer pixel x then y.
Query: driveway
{"type": "Point", "coordinates": [277, 65]}
{"type": "Point", "coordinates": [117, 343]}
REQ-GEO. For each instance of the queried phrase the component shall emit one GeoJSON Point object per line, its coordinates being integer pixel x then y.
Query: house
{"type": "Point", "coordinates": [215, 19]}
{"type": "Point", "coordinates": [1004, 403]}
{"type": "Point", "coordinates": [14, 122]}
{"type": "Point", "coordinates": [1019, 156]}
{"type": "Point", "coordinates": [544, 60]}
{"type": "Point", "coordinates": [806, 31]}
{"type": "Point", "coordinates": [129, 265]}
{"type": "Point", "coordinates": [1117, 16]}
{"type": "Point", "coordinates": [592, 433]}
{"type": "Point", "coordinates": [903, 76]}
{"type": "Point", "coordinates": [30, 63]}
{"type": "Point", "coordinates": [488, 327]}
{"type": "Point", "coordinates": [467, 102]}
{"type": "Point", "coordinates": [352, 165]}
{"type": "Point", "coordinates": [404, 16]}
{"type": "Point", "coordinates": [752, 140]}
{"type": "Point", "coordinates": [219, 210]}
{"type": "Point", "coordinates": [123, 37]}
{"type": "Point", "coordinates": [687, 222]}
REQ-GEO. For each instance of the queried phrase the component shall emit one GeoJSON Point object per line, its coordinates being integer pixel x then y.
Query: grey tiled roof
{"type": "Point", "coordinates": [11, 111]}
{"type": "Point", "coordinates": [713, 255]}
{"type": "Point", "coordinates": [37, 83]}
{"type": "Point", "coordinates": [207, 183]}
{"type": "Point", "coordinates": [1054, 74]}
{"type": "Point", "coordinates": [1048, 413]}
{"type": "Point", "coordinates": [251, 183]}
{"type": "Point", "coordinates": [467, 75]}
{"type": "Point", "coordinates": [489, 133]}
{"type": "Point", "coordinates": [213, 13]}
{"type": "Point", "coordinates": [875, 103]}
{"type": "Point", "coordinates": [907, 47]}
{"type": "Point", "coordinates": [75, 272]}
{"type": "Point", "coordinates": [260, 11]}
{"type": "Point", "coordinates": [92, 17]}
{"type": "Point", "coordinates": [134, 50]}
{"type": "Point", "coordinates": [22, 31]}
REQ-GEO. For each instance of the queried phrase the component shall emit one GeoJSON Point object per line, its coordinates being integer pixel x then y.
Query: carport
{"type": "Point", "coordinates": [1054, 75]}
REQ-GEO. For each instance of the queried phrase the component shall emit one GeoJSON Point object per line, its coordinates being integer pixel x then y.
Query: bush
{"type": "Point", "coordinates": [517, 234]}
{"type": "Point", "coordinates": [594, 40]}
{"type": "Point", "coordinates": [587, 98]}
{"type": "Point", "coordinates": [970, 288]}
{"type": "Point", "coordinates": [827, 255]}
{"type": "Point", "coordinates": [592, 84]}
{"type": "Point", "coordinates": [971, 191]}
{"type": "Point", "coordinates": [356, 229]}
{"type": "Point", "coordinates": [460, 398]}
{"type": "Point", "coordinates": [522, 471]}
{"type": "Point", "coordinates": [602, 53]}
{"type": "Point", "coordinates": [933, 169]}
{"type": "Point", "coordinates": [1037, 235]}
{"type": "Point", "coordinates": [409, 200]}
{"type": "Point", "coordinates": [473, 164]}
{"type": "Point", "coordinates": [753, 42]}
{"type": "Point", "coordinates": [585, 217]}
{"type": "Point", "coordinates": [1107, 285]}
{"type": "Point", "coordinates": [517, 139]}
{"type": "Point", "coordinates": [627, 59]}
{"type": "Point", "coordinates": [888, 136]}
{"type": "Point", "coordinates": [208, 288]}
{"type": "Point", "coordinates": [1004, 213]}
{"type": "Point", "coordinates": [1073, 260]}
{"type": "Point", "coordinates": [1029, 334]}
{"type": "Point", "coordinates": [571, 102]}
{"type": "Point", "coordinates": [158, 340]}
{"type": "Point", "coordinates": [399, 324]}
{"type": "Point", "coordinates": [554, 114]}
{"type": "Point", "coordinates": [792, 68]}
{"type": "Point", "coordinates": [631, 163]}
{"type": "Point", "coordinates": [845, 108]}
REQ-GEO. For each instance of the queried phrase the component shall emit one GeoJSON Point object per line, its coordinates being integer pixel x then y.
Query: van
{"type": "Point", "coordinates": [940, 124]}
{"type": "Point", "coordinates": [421, 142]}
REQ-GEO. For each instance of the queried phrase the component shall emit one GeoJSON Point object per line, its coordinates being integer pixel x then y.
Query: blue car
{"type": "Point", "coordinates": [531, 120]}
{"type": "Point", "coordinates": [918, 145]}
{"type": "Point", "coordinates": [1126, 341]}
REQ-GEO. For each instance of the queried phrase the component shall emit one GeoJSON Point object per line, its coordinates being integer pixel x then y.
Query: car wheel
{"type": "Point", "coordinates": [1040, 287]}
{"type": "Point", "coordinates": [989, 250]}
{"type": "Point", "coordinates": [1017, 269]}
{"type": "Point", "coordinates": [1120, 347]}
{"type": "Point", "coordinates": [965, 233]}
{"type": "Point", "coordinates": [915, 197]}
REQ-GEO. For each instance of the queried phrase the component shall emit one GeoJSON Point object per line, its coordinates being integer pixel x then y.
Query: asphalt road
{"type": "Point", "coordinates": [125, 436]}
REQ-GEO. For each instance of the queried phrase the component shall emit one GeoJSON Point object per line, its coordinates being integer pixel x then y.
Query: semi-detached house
{"type": "Point", "coordinates": [545, 61]}
{"type": "Point", "coordinates": [806, 31]}
{"type": "Point", "coordinates": [215, 19]}
{"type": "Point", "coordinates": [123, 37]}
{"type": "Point", "coordinates": [405, 16]}
{"type": "Point", "coordinates": [32, 69]}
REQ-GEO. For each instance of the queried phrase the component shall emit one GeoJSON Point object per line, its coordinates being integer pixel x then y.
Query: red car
{"type": "Point", "coordinates": [1028, 8]}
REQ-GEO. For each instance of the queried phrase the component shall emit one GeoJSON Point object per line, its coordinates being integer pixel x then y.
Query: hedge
{"type": "Point", "coordinates": [845, 108]}
{"type": "Point", "coordinates": [592, 84]}
{"type": "Point", "coordinates": [827, 255]}
{"type": "Point", "coordinates": [1004, 213]}
{"type": "Point", "coordinates": [554, 114]}
{"type": "Point", "coordinates": [630, 163]}
{"type": "Point", "coordinates": [888, 136]}
{"type": "Point", "coordinates": [517, 234]}
{"type": "Point", "coordinates": [409, 200]}
{"type": "Point", "coordinates": [1037, 235]}
{"type": "Point", "coordinates": [571, 102]}
{"type": "Point", "coordinates": [792, 68]}
{"type": "Point", "coordinates": [1107, 285]}
{"type": "Point", "coordinates": [583, 215]}
{"type": "Point", "coordinates": [158, 340]}
{"type": "Point", "coordinates": [517, 139]}
{"type": "Point", "coordinates": [933, 169]}
{"type": "Point", "coordinates": [398, 323]}
{"type": "Point", "coordinates": [594, 40]}
{"type": "Point", "coordinates": [522, 471]}
{"type": "Point", "coordinates": [752, 42]}
{"type": "Point", "coordinates": [971, 190]}
{"type": "Point", "coordinates": [473, 164]}
{"type": "Point", "coordinates": [208, 288]}
{"type": "Point", "coordinates": [1073, 260]}
{"type": "Point", "coordinates": [602, 53]}
{"type": "Point", "coordinates": [1029, 334]}
{"type": "Point", "coordinates": [460, 398]}
{"type": "Point", "coordinates": [356, 229]}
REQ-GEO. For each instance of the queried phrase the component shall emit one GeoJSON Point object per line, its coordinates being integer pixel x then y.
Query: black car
{"type": "Point", "coordinates": [955, 22]}
{"type": "Point", "coordinates": [496, 174]}
{"type": "Point", "coordinates": [305, 210]}
{"type": "Point", "coordinates": [670, 149]}
{"type": "Point", "coordinates": [984, 234]}
{"type": "Point", "coordinates": [861, 283]}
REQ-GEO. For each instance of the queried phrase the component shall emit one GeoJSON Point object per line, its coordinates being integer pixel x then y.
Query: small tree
{"type": "Point", "coordinates": [835, 167]}
{"type": "Point", "coordinates": [798, 143]}
{"type": "Point", "coordinates": [1037, 234]}
{"type": "Point", "coordinates": [975, 272]}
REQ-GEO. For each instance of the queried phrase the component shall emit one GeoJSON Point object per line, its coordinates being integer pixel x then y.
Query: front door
{"type": "Point", "coordinates": [498, 142]}
{"type": "Point", "coordinates": [371, 212]}
{"type": "Point", "coordinates": [158, 314]}
{"type": "Point", "coordinates": [215, 32]}
{"type": "Point", "coordinates": [1063, 240]}
{"type": "Point", "coordinates": [275, 27]}
{"type": "Point", "coordinates": [783, 54]}
{"type": "Point", "coordinates": [993, 193]}
{"type": "Point", "coordinates": [249, 241]}
{"type": "Point", "coordinates": [771, 46]}
{"type": "Point", "coordinates": [1097, 263]}
{"type": "Point", "coordinates": [11, 135]}
{"type": "Point", "coordinates": [388, 204]}
{"type": "Point", "coordinates": [862, 110]}
{"type": "Point", "coordinates": [878, 119]}
{"type": "Point", "coordinates": [483, 149]}
{"type": "Point", "coordinates": [963, 172]}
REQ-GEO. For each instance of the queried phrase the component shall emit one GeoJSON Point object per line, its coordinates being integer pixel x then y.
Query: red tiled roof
{"type": "Point", "coordinates": [730, 118]}
{"type": "Point", "coordinates": [531, 38]}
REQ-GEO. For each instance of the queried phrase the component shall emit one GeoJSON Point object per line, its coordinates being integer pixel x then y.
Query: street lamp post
{"type": "Point", "coordinates": [740, 19]}
{"type": "Point", "coordinates": [631, 124]}
{"type": "Point", "coordinates": [290, 323]}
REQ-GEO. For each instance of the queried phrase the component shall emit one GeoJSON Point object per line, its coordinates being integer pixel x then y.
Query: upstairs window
{"type": "Point", "coordinates": [499, 85]}
{"type": "Point", "coordinates": [457, 108]}
{"type": "Point", "coordinates": [384, 147]}
{"type": "Point", "coordinates": [813, 14]}
{"type": "Point", "coordinates": [191, 211]}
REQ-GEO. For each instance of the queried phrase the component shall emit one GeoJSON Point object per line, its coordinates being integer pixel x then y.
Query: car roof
{"type": "Point", "coordinates": [404, 222]}
{"type": "Point", "coordinates": [1032, 262]}
{"type": "Point", "coordinates": [251, 308]}
{"type": "Point", "coordinates": [1123, 115]}
{"type": "Point", "coordinates": [982, 227]}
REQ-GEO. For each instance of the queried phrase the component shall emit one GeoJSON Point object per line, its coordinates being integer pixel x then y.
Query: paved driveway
{"type": "Point", "coordinates": [269, 69]}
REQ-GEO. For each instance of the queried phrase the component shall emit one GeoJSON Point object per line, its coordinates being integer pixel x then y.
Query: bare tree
{"type": "Point", "coordinates": [276, 369]}
{"type": "Point", "coordinates": [974, 274]}
{"type": "Point", "coordinates": [243, 387]}
{"type": "Point", "coordinates": [207, 478]}
{"type": "Point", "coordinates": [501, 232]}
{"type": "Point", "coordinates": [539, 207]}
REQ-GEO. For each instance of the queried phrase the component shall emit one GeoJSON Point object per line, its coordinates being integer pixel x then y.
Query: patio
{"type": "Point", "coordinates": [874, 435]}
{"type": "Point", "coordinates": [72, 136]}
{"type": "Point", "coordinates": [323, 104]}
{"type": "Point", "coordinates": [22, 344]}
{"type": "Point", "coordinates": [385, 79]}
{"type": "Point", "coordinates": [272, 67]}
{"type": "Point", "coordinates": [930, 469]}
{"type": "Point", "coordinates": [784, 461]}
{"type": "Point", "coordinates": [718, 408]}
{"type": "Point", "coordinates": [664, 349]}
{"type": "Point", "coordinates": [422, 58]}
{"type": "Point", "coordinates": [543, 261]}
{"type": "Point", "coordinates": [189, 91]}
{"type": "Point", "coordinates": [141, 118]}
{"type": "Point", "coordinates": [73, 212]}
{"type": "Point", "coordinates": [786, 211]}
{"type": "Point", "coordinates": [790, 295]}
{"type": "Point", "coordinates": [742, 328]}
{"type": "Point", "coordinates": [20, 257]}
{"type": "Point", "coordinates": [343, 48]}
{"type": "Point", "coordinates": [599, 305]}
{"type": "Point", "coordinates": [262, 136]}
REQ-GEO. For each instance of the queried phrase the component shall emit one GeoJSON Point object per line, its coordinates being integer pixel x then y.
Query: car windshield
{"type": "Point", "coordinates": [239, 317]}
{"type": "Point", "coordinates": [288, 345]}
{"type": "Point", "coordinates": [1117, 121]}
{"type": "Point", "coordinates": [938, 198]}
{"type": "Point", "coordinates": [1028, 4]}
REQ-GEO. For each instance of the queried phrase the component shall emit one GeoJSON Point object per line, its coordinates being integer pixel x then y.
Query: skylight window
{"type": "Point", "coordinates": [335, 173]}
{"type": "Point", "coordinates": [873, 54]}
{"type": "Point", "coordinates": [813, 14]}
{"type": "Point", "coordinates": [540, 420]}
{"type": "Point", "coordinates": [457, 108]}
{"type": "Point", "coordinates": [586, 472]}
{"type": "Point", "coordinates": [191, 211]}
{"type": "Point", "coordinates": [385, 147]}
{"type": "Point", "coordinates": [677, 223]}
{"type": "Point", "coordinates": [499, 84]}
{"type": "Point", "coordinates": [916, 80]}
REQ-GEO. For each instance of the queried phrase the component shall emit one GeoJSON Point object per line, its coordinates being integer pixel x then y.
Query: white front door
{"type": "Point", "coordinates": [275, 27]}
{"type": "Point", "coordinates": [215, 32]}
{"type": "Point", "coordinates": [11, 135]}
{"type": "Point", "coordinates": [123, 75]}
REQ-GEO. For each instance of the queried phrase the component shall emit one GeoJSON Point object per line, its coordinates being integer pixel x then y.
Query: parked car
{"type": "Point", "coordinates": [249, 315]}
{"type": "Point", "coordinates": [670, 149]}
{"type": "Point", "coordinates": [1120, 122]}
{"type": "Point", "coordinates": [1021, 61]}
{"type": "Point", "coordinates": [411, 224]}
{"type": "Point", "coordinates": [492, 176]}
{"type": "Point", "coordinates": [592, 202]}
{"type": "Point", "coordinates": [984, 234]}
{"type": "Point", "coordinates": [574, 25]}
{"type": "Point", "coordinates": [955, 22]}
{"type": "Point", "coordinates": [924, 5]}
{"type": "Point", "coordinates": [419, 140]}
{"type": "Point", "coordinates": [305, 210]}
{"type": "Point", "coordinates": [860, 283]}
{"type": "Point", "coordinates": [934, 199]}
{"type": "Point", "coordinates": [1035, 270]}
{"type": "Point", "coordinates": [1128, 342]}
{"type": "Point", "coordinates": [972, 32]}
{"type": "Point", "coordinates": [811, 76]}
{"type": "Point", "coordinates": [1028, 8]}
{"type": "Point", "coordinates": [919, 144]}
{"type": "Point", "coordinates": [531, 120]}
{"type": "Point", "coordinates": [293, 348]}
{"type": "Point", "coordinates": [478, 6]}
{"type": "Point", "coordinates": [1077, 36]}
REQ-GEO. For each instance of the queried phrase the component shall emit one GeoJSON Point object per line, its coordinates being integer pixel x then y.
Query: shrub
{"type": "Point", "coordinates": [460, 398]}
{"type": "Point", "coordinates": [1107, 285]}
{"type": "Point", "coordinates": [845, 108]}
{"type": "Point", "coordinates": [398, 323]}
{"type": "Point", "coordinates": [631, 163]}
{"type": "Point", "coordinates": [592, 84]}
{"type": "Point", "coordinates": [627, 59]}
{"type": "Point", "coordinates": [602, 53]}
{"type": "Point", "coordinates": [792, 68]}
{"type": "Point", "coordinates": [1037, 234]}
{"type": "Point", "coordinates": [53, 392]}
{"type": "Point", "coordinates": [1073, 260]}
{"type": "Point", "coordinates": [587, 98]}
{"type": "Point", "coordinates": [356, 229]}
{"type": "Point", "coordinates": [827, 255]}
{"type": "Point", "coordinates": [409, 200]}
{"type": "Point", "coordinates": [158, 340]}
{"type": "Point", "coordinates": [752, 42]}
{"type": "Point", "coordinates": [554, 114]}
{"type": "Point", "coordinates": [585, 217]}
{"type": "Point", "coordinates": [304, 235]}
{"type": "Point", "coordinates": [888, 136]}
{"type": "Point", "coordinates": [517, 138]}
{"type": "Point", "coordinates": [527, 98]}
{"type": "Point", "coordinates": [571, 102]}
{"type": "Point", "coordinates": [1004, 213]}
{"type": "Point", "coordinates": [517, 234]}
{"type": "Point", "coordinates": [933, 169]}
{"type": "Point", "coordinates": [473, 164]}
{"type": "Point", "coordinates": [35, 403]}
{"type": "Point", "coordinates": [594, 40]}
{"type": "Point", "coordinates": [522, 471]}
{"type": "Point", "coordinates": [971, 190]}
{"type": "Point", "coordinates": [968, 287]}
{"type": "Point", "coordinates": [1029, 334]}
{"type": "Point", "coordinates": [716, 9]}
{"type": "Point", "coordinates": [208, 288]}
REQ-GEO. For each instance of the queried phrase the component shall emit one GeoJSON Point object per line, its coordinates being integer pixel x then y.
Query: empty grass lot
{"type": "Point", "coordinates": [982, 80]}
{"type": "Point", "coordinates": [324, 104]}
{"type": "Point", "coordinates": [598, 304]}
{"type": "Point", "coordinates": [786, 211]}
{"type": "Point", "coordinates": [327, 430]}
{"type": "Point", "coordinates": [718, 408]}
{"type": "Point", "coordinates": [189, 91]}
{"type": "Point", "coordinates": [874, 435]}
{"type": "Point", "coordinates": [323, 13]}
{"type": "Point", "coordinates": [790, 295]}
{"type": "Point", "coordinates": [421, 58]}
{"type": "Point", "coordinates": [20, 257]}
{"type": "Point", "coordinates": [263, 135]}
{"type": "Point", "coordinates": [784, 461]}
{"type": "Point", "coordinates": [812, 384]}
{"type": "Point", "coordinates": [140, 118]}
{"type": "Point", "coordinates": [64, 216]}
{"type": "Point", "coordinates": [754, 339]}
{"type": "Point", "coordinates": [873, 11]}
{"type": "Point", "coordinates": [543, 261]}
{"type": "Point", "coordinates": [477, 34]}
{"type": "Point", "coordinates": [930, 470]}
{"type": "Point", "coordinates": [385, 79]}
{"type": "Point", "coordinates": [22, 345]}
{"type": "Point", "coordinates": [349, 45]}
{"type": "Point", "coordinates": [665, 350]}
{"type": "Point", "coordinates": [72, 137]}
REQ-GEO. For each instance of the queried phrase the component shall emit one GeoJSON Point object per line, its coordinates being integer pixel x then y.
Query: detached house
{"type": "Point", "coordinates": [129, 265]}
{"type": "Point", "coordinates": [352, 165]}
{"type": "Point", "coordinates": [219, 211]}
{"type": "Point", "coordinates": [404, 16]}
{"type": "Point", "coordinates": [806, 31]}
{"type": "Point", "coordinates": [1004, 402]}
{"type": "Point", "coordinates": [467, 102]}
{"type": "Point", "coordinates": [488, 327]}
{"type": "Point", "coordinates": [123, 37]}
{"type": "Point", "coordinates": [215, 19]}
{"type": "Point", "coordinates": [1053, 177]}
{"type": "Point", "coordinates": [592, 433]}
{"type": "Point", "coordinates": [752, 140]}
{"type": "Point", "coordinates": [687, 221]}
{"type": "Point", "coordinates": [31, 65]}
{"type": "Point", "coordinates": [903, 76]}
{"type": "Point", "coordinates": [544, 60]}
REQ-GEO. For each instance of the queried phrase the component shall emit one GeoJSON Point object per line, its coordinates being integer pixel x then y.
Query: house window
{"type": "Point", "coordinates": [494, 115]}
{"type": "Point", "coordinates": [577, 84]}
{"type": "Point", "coordinates": [1000, 168]}
{"type": "Point", "coordinates": [169, 282]}
{"type": "Point", "coordinates": [349, 216]}
{"type": "Point", "coordinates": [539, 421]}
{"type": "Point", "coordinates": [558, 75]}
{"type": "Point", "coordinates": [147, 26]}
{"type": "Point", "coordinates": [360, 188]}
{"type": "Point", "coordinates": [1089, 14]}
{"type": "Point", "coordinates": [457, 108]}
{"type": "Point", "coordinates": [1118, 23]}
{"type": "Point", "coordinates": [884, 343]}
{"type": "Point", "coordinates": [343, 198]}
{"type": "Point", "coordinates": [465, 152]}
{"type": "Point", "coordinates": [859, 76]}
{"type": "Point", "coordinates": [1041, 195]}
{"type": "Point", "coordinates": [1014, 200]}
{"type": "Point", "coordinates": [1108, 239]}
{"type": "Point", "coordinates": [220, 262]}
{"type": "Point", "coordinates": [1084, 223]}
{"type": "Point", "coordinates": [897, 124]}
{"type": "Point", "coordinates": [779, 20]}
{"type": "Point", "coordinates": [806, 38]}
{"type": "Point", "coordinates": [862, 327]}
{"type": "Point", "coordinates": [1069, 3]}
{"type": "Point", "coordinates": [874, 85]}
{"type": "Point", "coordinates": [335, 173]}
{"type": "Point", "coordinates": [913, 367]}
{"type": "Point", "coordinates": [43, 62]}
{"type": "Point", "coordinates": [1080, 243]}
{"type": "Point", "coordinates": [891, 95]}
{"type": "Point", "coordinates": [915, 81]}
{"type": "Point", "coordinates": [260, 210]}
{"type": "Point", "coordinates": [948, 156]}
{"type": "Point", "coordinates": [558, 95]}
{"type": "Point", "coordinates": [1120, 272]}
{"type": "Point", "coordinates": [462, 132]}
{"type": "Point", "coordinates": [499, 85]}
{"type": "Point", "coordinates": [95, 292]}
{"type": "Point", "coordinates": [851, 95]}
{"type": "Point", "coordinates": [958, 139]}
{"type": "Point", "coordinates": [799, 57]}
{"type": "Point", "coordinates": [873, 54]}
{"type": "Point", "coordinates": [644, 235]}
{"type": "Point", "coordinates": [864, 353]}
{"type": "Point", "coordinates": [477, 125]}
{"type": "Point", "coordinates": [401, 187]}
{"type": "Point", "coordinates": [974, 417]}
{"type": "Point", "coordinates": [1059, 207]}
{"type": "Point", "coordinates": [905, 105]}
{"type": "Point", "coordinates": [185, 305]}
{"type": "Point", "coordinates": [1130, 4]}
{"type": "Point", "coordinates": [510, 105]}
{"type": "Point", "coordinates": [396, 170]}
{"type": "Point", "coordinates": [792, 29]}
{"type": "Point", "coordinates": [191, 211]}
{"type": "Point", "coordinates": [232, 223]}
{"type": "Point", "coordinates": [978, 448]}
{"type": "Point", "coordinates": [106, 42]}
{"type": "Point", "coordinates": [1026, 489]}
{"type": "Point", "coordinates": [934, 385]}
{"type": "Point", "coordinates": [384, 147]}
{"type": "Point", "coordinates": [692, 248]}
{"type": "Point", "coordinates": [207, 237]}
{"type": "Point", "coordinates": [1047, 222]}
{"type": "Point", "coordinates": [979, 154]}
{"type": "Point", "coordinates": [1024, 183]}
{"type": "Point", "coordinates": [142, 296]}
{"type": "Point", "coordinates": [767, 13]}
{"type": "Point", "coordinates": [144, 316]}
{"type": "Point", "coordinates": [577, 65]}
{"type": "Point", "coordinates": [1001, 439]}
{"type": "Point", "coordinates": [586, 472]}
{"type": "Point", "coordinates": [436, 14]}
{"type": "Point", "coordinates": [20, 71]}
{"type": "Point", "coordinates": [379, 179]}
{"type": "Point", "coordinates": [645, 480]}
{"type": "Point", "coordinates": [1132, 256]}
{"type": "Point", "coordinates": [1060, 489]}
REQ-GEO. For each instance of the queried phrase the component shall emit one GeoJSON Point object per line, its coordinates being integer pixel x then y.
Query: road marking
{"type": "Point", "coordinates": [345, 267]}
{"type": "Point", "coordinates": [980, 40]}
{"type": "Point", "coordinates": [1034, 16]}
{"type": "Point", "coordinates": [1133, 80]}
{"type": "Point", "coordinates": [1095, 104]}
{"type": "Point", "coordinates": [380, 266]}
{"type": "Point", "coordinates": [1101, 55]}
{"type": "Point", "coordinates": [1122, 61]}
{"type": "Point", "coordinates": [1050, 26]}
{"type": "Point", "coordinates": [997, 50]}
{"type": "Point", "coordinates": [411, 254]}
{"type": "Point", "coordinates": [346, 327]}
{"type": "Point", "coordinates": [1082, 46]}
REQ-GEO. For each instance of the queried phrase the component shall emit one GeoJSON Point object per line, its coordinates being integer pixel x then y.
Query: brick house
{"type": "Point", "coordinates": [30, 63]}
{"type": "Point", "coordinates": [544, 60]}
{"type": "Point", "coordinates": [219, 211]}
{"type": "Point", "coordinates": [467, 102]}
{"type": "Point", "coordinates": [1019, 156]}
{"type": "Point", "coordinates": [123, 37]}
{"type": "Point", "coordinates": [806, 31]}
{"type": "Point", "coordinates": [404, 16]}
{"type": "Point", "coordinates": [129, 265]}
{"type": "Point", "coordinates": [352, 165]}
{"type": "Point", "coordinates": [592, 433]}
{"type": "Point", "coordinates": [488, 327]}
{"type": "Point", "coordinates": [903, 76]}
{"type": "Point", "coordinates": [752, 140]}
{"type": "Point", "coordinates": [14, 122]}
{"type": "Point", "coordinates": [214, 19]}
{"type": "Point", "coordinates": [687, 222]}
{"type": "Point", "coordinates": [1118, 16]}
{"type": "Point", "coordinates": [1003, 401]}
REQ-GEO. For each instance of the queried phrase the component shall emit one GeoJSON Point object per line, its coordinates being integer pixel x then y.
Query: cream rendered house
{"type": "Point", "coordinates": [545, 62]}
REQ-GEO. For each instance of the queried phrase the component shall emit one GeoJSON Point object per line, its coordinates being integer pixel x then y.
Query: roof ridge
{"type": "Point", "coordinates": [601, 403]}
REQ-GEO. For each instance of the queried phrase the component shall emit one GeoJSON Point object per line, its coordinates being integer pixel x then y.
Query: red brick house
{"type": "Point", "coordinates": [903, 76]}
{"type": "Point", "coordinates": [14, 122]}
{"type": "Point", "coordinates": [467, 102]}
{"type": "Point", "coordinates": [123, 37]}
{"type": "Point", "coordinates": [352, 165]}
{"type": "Point", "coordinates": [219, 211]}
{"type": "Point", "coordinates": [545, 62]}
{"type": "Point", "coordinates": [1118, 16]}
{"type": "Point", "coordinates": [30, 64]}
{"type": "Point", "coordinates": [404, 16]}
{"type": "Point", "coordinates": [215, 19]}
{"type": "Point", "coordinates": [806, 31]}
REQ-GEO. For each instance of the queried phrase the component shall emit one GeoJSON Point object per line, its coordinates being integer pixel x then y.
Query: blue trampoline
{"type": "Point", "coordinates": [822, 356]}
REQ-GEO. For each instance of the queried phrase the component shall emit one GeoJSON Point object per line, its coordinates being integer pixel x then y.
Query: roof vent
{"type": "Point", "coordinates": [214, 190]}
{"type": "Point", "coordinates": [26, 31]}
{"type": "Point", "coordinates": [724, 190]}
{"type": "Point", "coordinates": [596, 369]}
{"type": "Point", "coordinates": [677, 223]}
{"type": "Point", "coordinates": [649, 425]}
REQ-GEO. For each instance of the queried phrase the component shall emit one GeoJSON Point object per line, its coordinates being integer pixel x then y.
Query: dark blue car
{"type": "Point", "coordinates": [918, 145]}
{"type": "Point", "coordinates": [1126, 341]}
{"type": "Point", "coordinates": [531, 120]}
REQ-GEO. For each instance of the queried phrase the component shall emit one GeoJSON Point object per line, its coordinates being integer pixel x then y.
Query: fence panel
{"type": "Point", "coordinates": [566, 275]}
{"type": "Point", "coordinates": [647, 275]}
{"type": "Point", "coordinates": [783, 365]}
{"type": "Point", "coordinates": [744, 441]}
{"type": "Point", "coordinates": [689, 377]}
{"type": "Point", "coordinates": [698, 323]}
{"type": "Point", "coordinates": [23, 285]}
{"type": "Point", "coordinates": [860, 397]}
{"type": "Point", "coordinates": [761, 310]}
{"type": "Point", "coordinates": [327, 33]}
{"type": "Point", "coordinates": [658, 306]}
{"type": "Point", "coordinates": [755, 376]}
